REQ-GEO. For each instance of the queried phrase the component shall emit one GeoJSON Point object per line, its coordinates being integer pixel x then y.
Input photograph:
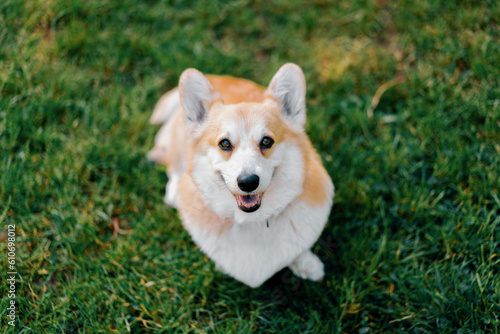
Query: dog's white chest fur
{"type": "Point", "coordinates": [253, 252]}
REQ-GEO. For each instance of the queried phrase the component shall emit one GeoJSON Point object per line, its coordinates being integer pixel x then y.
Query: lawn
{"type": "Point", "coordinates": [403, 106]}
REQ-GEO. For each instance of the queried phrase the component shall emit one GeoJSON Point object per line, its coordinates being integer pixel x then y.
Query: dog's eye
{"type": "Point", "coordinates": [225, 144]}
{"type": "Point", "coordinates": [266, 142]}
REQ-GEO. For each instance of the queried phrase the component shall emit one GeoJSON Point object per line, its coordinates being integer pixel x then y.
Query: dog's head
{"type": "Point", "coordinates": [246, 158]}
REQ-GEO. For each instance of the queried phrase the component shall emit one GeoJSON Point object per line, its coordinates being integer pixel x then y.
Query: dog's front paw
{"type": "Point", "coordinates": [171, 190]}
{"type": "Point", "coordinates": [308, 266]}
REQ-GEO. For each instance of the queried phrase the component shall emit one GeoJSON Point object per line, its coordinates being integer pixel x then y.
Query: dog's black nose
{"type": "Point", "coordinates": [248, 183]}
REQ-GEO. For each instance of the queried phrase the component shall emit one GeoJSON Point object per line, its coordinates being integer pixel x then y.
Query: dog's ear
{"type": "Point", "coordinates": [288, 87]}
{"type": "Point", "coordinates": [196, 95]}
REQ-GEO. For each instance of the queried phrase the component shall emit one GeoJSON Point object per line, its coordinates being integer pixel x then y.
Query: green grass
{"type": "Point", "coordinates": [413, 241]}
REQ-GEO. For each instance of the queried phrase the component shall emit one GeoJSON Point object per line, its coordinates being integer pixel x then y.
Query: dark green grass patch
{"type": "Point", "coordinates": [412, 244]}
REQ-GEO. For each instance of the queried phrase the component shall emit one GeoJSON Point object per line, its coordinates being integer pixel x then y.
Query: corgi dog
{"type": "Point", "coordinates": [249, 186]}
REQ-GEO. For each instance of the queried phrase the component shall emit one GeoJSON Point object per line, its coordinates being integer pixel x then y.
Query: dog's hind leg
{"type": "Point", "coordinates": [166, 107]}
{"type": "Point", "coordinates": [308, 266]}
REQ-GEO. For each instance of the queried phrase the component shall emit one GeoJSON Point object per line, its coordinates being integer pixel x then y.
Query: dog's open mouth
{"type": "Point", "coordinates": [249, 203]}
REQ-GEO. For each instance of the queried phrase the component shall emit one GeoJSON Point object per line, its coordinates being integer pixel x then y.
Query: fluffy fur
{"type": "Point", "coordinates": [294, 195]}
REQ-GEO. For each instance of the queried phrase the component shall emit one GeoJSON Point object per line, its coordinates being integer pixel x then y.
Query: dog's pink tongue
{"type": "Point", "coordinates": [248, 200]}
